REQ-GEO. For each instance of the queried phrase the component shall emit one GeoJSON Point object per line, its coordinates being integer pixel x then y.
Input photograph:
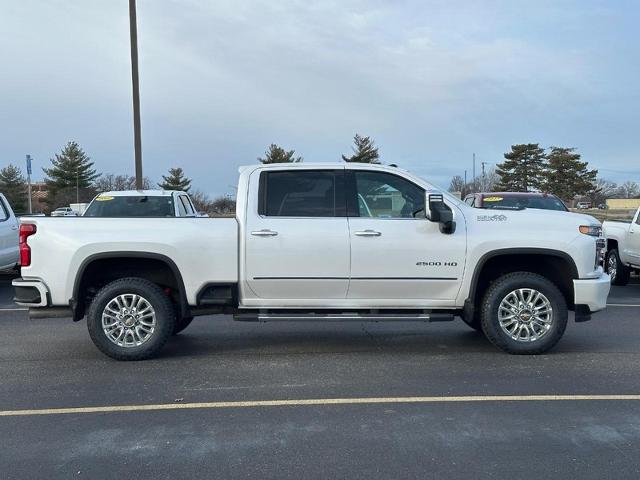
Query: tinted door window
{"type": "Point", "coordinates": [303, 193]}
{"type": "Point", "coordinates": [384, 195]}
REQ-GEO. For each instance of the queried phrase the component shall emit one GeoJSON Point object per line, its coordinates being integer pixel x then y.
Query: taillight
{"type": "Point", "coordinates": [26, 230]}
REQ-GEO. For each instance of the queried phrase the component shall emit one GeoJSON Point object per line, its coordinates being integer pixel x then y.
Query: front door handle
{"type": "Point", "coordinates": [264, 233]}
{"type": "Point", "coordinates": [368, 233]}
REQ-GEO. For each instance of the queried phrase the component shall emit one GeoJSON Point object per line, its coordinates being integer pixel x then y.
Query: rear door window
{"type": "Point", "coordinates": [302, 193]}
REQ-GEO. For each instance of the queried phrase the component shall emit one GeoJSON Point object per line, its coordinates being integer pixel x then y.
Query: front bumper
{"type": "Point", "coordinates": [30, 293]}
{"type": "Point", "coordinates": [592, 293]}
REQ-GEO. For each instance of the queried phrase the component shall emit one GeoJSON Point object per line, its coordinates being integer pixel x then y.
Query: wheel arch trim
{"type": "Point", "coordinates": [473, 286]}
{"type": "Point", "coordinates": [73, 301]}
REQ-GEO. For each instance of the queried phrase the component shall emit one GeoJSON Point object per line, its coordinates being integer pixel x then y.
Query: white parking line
{"type": "Point", "coordinates": [317, 402]}
{"type": "Point", "coordinates": [623, 304]}
{"type": "Point", "coordinates": [13, 309]}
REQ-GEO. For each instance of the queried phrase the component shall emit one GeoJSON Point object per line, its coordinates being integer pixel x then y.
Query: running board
{"type": "Point", "coordinates": [343, 317]}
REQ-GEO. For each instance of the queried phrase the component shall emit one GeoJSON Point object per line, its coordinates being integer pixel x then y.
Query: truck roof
{"type": "Point", "coordinates": [322, 166]}
{"type": "Point", "coordinates": [139, 193]}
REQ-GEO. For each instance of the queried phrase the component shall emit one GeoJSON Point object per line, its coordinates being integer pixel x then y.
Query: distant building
{"type": "Point", "coordinates": [623, 203]}
{"type": "Point", "coordinates": [38, 196]}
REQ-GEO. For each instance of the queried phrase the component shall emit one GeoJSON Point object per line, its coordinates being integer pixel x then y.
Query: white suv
{"type": "Point", "coordinates": [64, 212]}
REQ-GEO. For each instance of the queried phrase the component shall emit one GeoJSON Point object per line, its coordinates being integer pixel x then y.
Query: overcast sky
{"type": "Point", "coordinates": [431, 81]}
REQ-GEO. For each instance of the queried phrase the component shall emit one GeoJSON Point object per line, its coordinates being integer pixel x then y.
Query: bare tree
{"type": "Point", "coordinates": [110, 182]}
{"type": "Point", "coordinates": [629, 189]}
{"type": "Point", "coordinates": [602, 189]}
{"type": "Point", "coordinates": [457, 184]}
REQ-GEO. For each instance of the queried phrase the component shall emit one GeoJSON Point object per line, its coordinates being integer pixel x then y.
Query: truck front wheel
{"type": "Point", "coordinates": [524, 313]}
{"type": "Point", "coordinates": [130, 319]}
{"type": "Point", "coordinates": [619, 272]}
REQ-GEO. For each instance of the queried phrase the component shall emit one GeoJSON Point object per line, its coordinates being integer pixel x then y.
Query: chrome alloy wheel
{"type": "Point", "coordinates": [128, 320]}
{"type": "Point", "coordinates": [612, 265]}
{"type": "Point", "coordinates": [525, 315]}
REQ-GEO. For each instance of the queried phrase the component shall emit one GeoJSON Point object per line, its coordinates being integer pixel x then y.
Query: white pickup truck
{"type": "Point", "coordinates": [623, 248]}
{"type": "Point", "coordinates": [318, 242]}
{"type": "Point", "coordinates": [141, 203]}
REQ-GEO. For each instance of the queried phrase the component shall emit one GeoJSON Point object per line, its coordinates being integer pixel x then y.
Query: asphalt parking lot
{"type": "Point", "coordinates": [414, 401]}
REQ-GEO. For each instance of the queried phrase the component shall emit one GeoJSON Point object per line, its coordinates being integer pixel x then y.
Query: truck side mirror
{"type": "Point", "coordinates": [440, 212]}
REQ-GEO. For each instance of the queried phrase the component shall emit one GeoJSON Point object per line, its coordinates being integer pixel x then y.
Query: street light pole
{"type": "Point", "coordinates": [137, 139]}
{"type": "Point", "coordinates": [29, 181]}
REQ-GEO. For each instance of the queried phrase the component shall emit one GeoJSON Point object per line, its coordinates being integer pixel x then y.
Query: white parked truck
{"type": "Point", "coordinates": [141, 203]}
{"type": "Point", "coordinates": [318, 242]}
{"type": "Point", "coordinates": [623, 248]}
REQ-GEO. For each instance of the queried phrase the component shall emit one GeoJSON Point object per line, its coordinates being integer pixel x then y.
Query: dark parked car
{"type": "Point", "coordinates": [515, 201]}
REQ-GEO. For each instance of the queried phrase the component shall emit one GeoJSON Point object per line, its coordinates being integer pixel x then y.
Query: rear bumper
{"type": "Point", "coordinates": [30, 293]}
{"type": "Point", "coordinates": [592, 293]}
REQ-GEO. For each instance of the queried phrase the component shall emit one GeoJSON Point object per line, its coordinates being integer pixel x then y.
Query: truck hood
{"type": "Point", "coordinates": [538, 216]}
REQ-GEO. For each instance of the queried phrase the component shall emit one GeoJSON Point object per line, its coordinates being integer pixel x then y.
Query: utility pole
{"type": "Point", "coordinates": [473, 179]}
{"type": "Point", "coordinates": [29, 181]}
{"type": "Point", "coordinates": [484, 187]}
{"type": "Point", "coordinates": [77, 185]}
{"type": "Point", "coordinates": [137, 138]}
{"type": "Point", "coordinates": [464, 188]}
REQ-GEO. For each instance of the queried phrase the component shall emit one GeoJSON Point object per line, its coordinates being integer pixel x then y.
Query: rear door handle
{"type": "Point", "coordinates": [264, 233]}
{"type": "Point", "coordinates": [367, 233]}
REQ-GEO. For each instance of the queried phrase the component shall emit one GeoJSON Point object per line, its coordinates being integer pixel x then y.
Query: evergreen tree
{"type": "Point", "coordinates": [70, 177]}
{"type": "Point", "coordinates": [566, 176]}
{"type": "Point", "coordinates": [175, 180]}
{"type": "Point", "coordinates": [364, 151]}
{"type": "Point", "coordinates": [14, 187]}
{"type": "Point", "coordinates": [523, 169]}
{"type": "Point", "coordinates": [277, 154]}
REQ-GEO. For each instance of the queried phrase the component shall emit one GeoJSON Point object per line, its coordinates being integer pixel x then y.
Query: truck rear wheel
{"type": "Point", "coordinates": [130, 319]}
{"type": "Point", "coordinates": [524, 313]}
{"type": "Point", "coordinates": [618, 271]}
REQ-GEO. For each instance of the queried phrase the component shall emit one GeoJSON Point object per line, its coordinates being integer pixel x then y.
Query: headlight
{"type": "Point", "coordinates": [593, 230]}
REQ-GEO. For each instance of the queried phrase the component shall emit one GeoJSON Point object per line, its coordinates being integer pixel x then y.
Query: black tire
{"type": "Point", "coordinates": [164, 318]}
{"type": "Point", "coordinates": [181, 324]}
{"type": "Point", "coordinates": [499, 290]}
{"type": "Point", "coordinates": [621, 274]}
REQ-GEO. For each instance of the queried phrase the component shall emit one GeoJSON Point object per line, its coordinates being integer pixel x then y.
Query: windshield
{"type": "Point", "coordinates": [131, 206]}
{"type": "Point", "coordinates": [518, 202]}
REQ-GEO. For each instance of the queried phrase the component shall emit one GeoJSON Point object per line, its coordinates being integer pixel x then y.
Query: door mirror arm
{"type": "Point", "coordinates": [439, 212]}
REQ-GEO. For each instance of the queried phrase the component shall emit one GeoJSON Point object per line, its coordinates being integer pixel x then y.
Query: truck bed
{"type": "Point", "coordinates": [205, 250]}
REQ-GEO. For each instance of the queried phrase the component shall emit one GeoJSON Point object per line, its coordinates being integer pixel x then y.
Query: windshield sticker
{"type": "Point", "coordinates": [492, 218]}
{"type": "Point", "coordinates": [103, 199]}
{"type": "Point", "coordinates": [493, 199]}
